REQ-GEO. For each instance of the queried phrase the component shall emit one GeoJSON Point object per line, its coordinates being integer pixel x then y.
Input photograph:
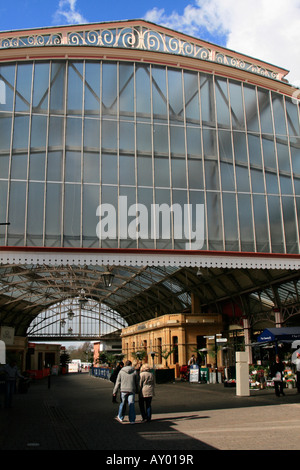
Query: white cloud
{"type": "Point", "coordinates": [67, 13]}
{"type": "Point", "coordinates": [265, 29]}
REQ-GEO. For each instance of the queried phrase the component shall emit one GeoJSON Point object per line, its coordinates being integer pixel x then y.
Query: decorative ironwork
{"type": "Point", "coordinates": [139, 38]}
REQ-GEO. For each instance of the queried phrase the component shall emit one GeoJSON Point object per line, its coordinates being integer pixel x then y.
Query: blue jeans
{"type": "Point", "coordinates": [127, 398]}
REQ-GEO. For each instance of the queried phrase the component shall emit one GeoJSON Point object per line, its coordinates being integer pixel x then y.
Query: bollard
{"type": "Point", "coordinates": [242, 374]}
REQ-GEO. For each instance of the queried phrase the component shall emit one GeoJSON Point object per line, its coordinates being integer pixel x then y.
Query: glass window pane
{"type": "Point", "coordinates": [283, 154]}
{"type": "Point", "coordinates": [254, 150]}
{"type": "Point", "coordinates": [143, 138]}
{"type": "Point", "coordinates": [53, 214]}
{"type": "Point", "coordinates": [290, 225]}
{"type": "Point", "coordinates": [236, 104]}
{"type": "Point", "coordinates": [269, 153]}
{"type": "Point", "coordinates": [3, 199]}
{"type": "Point", "coordinates": [161, 172]}
{"type": "Point", "coordinates": [109, 89]}
{"type": "Point", "coordinates": [109, 135]}
{"type": "Point", "coordinates": [178, 172]}
{"type": "Point", "coordinates": [37, 166]}
{"type": "Point", "coordinates": [56, 131]}
{"type": "Point", "coordinates": [175, 94]}
{"type": "Point", "coordinates": [159, 92]}
{"type": "Point", "coordinates": [272, 183]}
{"type": "Point", "coordinates": [23, 87]}
{"type": "Point", "coordinates": [181, 232]}
{"type": "Point", "coordinates": [245, 222]}
{"type": "Point", "coordinates": [242, 178]}
{"type": "Point", "coordinates": [91, 137]}
{"type": "Point", "coordinates": [161, 140]}
{"type": "Point", "coordinates": [21, 132]}
{"type": "Point", "coordinates": [19, 166]}
{"type": "Point", "coordinates": [89, 218]}
{"type": "Point", "coordinates": [144, 171]}
{"type": "Point", "coordinates": [227, 176]}
{"type": "Point", "coordinates": [240, 147]}
{"type": "Point", "coordinates": [75, 88]}
{"type": "Point", "coordinates": [261, 224]}
{"type": "Point", "coordinates": [126, 90]}
{"type": "Point", "coordinates": [265, 111]}
{"type": "Point", "coordinates": [198, 226]}
{"type": "Point", "coordinates": [4, 166]}
{"type": "Point", "coordinates": [126, 137]}
{"type": "Point", "coordinates": [222, 102]}
{"type": "Point", "coordinates": [193, 135]}
{"type": "Point", "coordinates": [127, 169]}
{"type": "Point", "coordinates": [251, 108]}
{"type": "Point", "coordinates": [109, 195]}
{"type": "Point", "coordinates": [275, 224]}
{"type": "Point", "coordinates": [143, 96]}
{"type": "Point", "coordinates": [72, 215]}
{"type": "Point", "coordinates": [5, 131]}
{"type": "Point", "coordinates": [207, 100]}
{"type": "Point", "coordinates": [163, 226]}
{"type": "Point", "coordinates": [40, 88]}
{"type": "Point", "coordinates": [195, 169]}
{"type": "Point", "coordinates": [230, 222]}
{"type": "Point", "coordinates": [191, 95]}
{"type": "Point", "coordinates": [211, 175]}
{"type": "Point", "coordinates": [74, 131]}
{"type": "Point", "coordinates": [177, 140]}
{"type": "Point", "coordinates": [35, 214]}
{"type": "Point", "coordinates": [92, 88]}
{"type": "Point", "coordinates": [214, 221]}
{"type": "Point", "coordinates": [54, 166]}
{"type": "Point", "coordinates": [57, 92]}
{"type": "Point", "coordinates": [109, 169]}
{"type": "Point", "coordinates": [73, 166]}
{"type": "Point", "coordinates": [257, 181]}
{"type": "Point", "coordinates": [38, 132]}
{"type": "Point", "coordinates": [292, 111]}
{"type": "Point", "coordinates": [145, 197]}
{"type": "Point", "coordinates": [91, 167]}
{"type": "Point", "coordinates": [279, 114]}
{"type": "Point", "coordinates": [7, 83]}
{"type": "Point", "coordinates": [16, 213]}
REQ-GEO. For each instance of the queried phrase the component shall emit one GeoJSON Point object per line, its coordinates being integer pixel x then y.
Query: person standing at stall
{"type": "Point", "coordinates": [277, 370]}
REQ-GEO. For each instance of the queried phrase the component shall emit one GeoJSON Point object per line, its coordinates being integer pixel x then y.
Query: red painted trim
{"type": "Point", "coordinates": [145, 251]}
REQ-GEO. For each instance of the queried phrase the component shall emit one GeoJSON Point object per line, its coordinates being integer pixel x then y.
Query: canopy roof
{"type": "Point", "coordinates": [271, 335]}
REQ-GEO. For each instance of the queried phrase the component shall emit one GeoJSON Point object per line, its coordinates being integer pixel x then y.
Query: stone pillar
{"type": "Point", "coordinates": [247, 336]}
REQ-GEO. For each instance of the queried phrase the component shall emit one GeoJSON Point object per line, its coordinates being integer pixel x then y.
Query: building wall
{"type": "Point", "coordinates": [163, 333]}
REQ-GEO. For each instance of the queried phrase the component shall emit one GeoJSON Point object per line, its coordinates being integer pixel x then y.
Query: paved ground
{"type": "Point", "coordinates": [76, 413]}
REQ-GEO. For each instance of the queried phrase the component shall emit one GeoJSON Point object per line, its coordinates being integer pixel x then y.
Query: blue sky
{"type": "Point", "coordinates": [265, 29]}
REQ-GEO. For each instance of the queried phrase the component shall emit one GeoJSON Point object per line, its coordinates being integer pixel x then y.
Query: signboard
{"type": "Point", "coordinates": [7, 335]}
{"type": "Point", "coordinates": [194, 374]}
{"type": "Point", "coordinates": [2, 353]}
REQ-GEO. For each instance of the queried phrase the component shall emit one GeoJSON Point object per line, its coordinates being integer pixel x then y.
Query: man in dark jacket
{"type": "Point", "coordinates": [277, 370]}
{"type": "Point", "coordinates": [114, 376]}
{"type": "Point", "coordinates": [128, 383]}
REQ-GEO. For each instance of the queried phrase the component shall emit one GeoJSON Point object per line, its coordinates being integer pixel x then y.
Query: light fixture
{"type": "Point", "coordinates": [70, 314]}
{"type": "Point", "coordinates": [199, 272]}
{"type": "Point", "coordinates": [82, 299]}
{"type": "Point", "coordinates": [62, 322]}
{"type": "Point", "coordinates": [108, 277]}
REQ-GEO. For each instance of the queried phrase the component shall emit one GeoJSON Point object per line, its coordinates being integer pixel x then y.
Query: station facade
{"type": "Point", "coordinates": [130, 144]}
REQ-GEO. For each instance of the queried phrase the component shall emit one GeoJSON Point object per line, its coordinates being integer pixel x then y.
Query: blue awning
{"type": "Point", "coordinates": [271, 335]}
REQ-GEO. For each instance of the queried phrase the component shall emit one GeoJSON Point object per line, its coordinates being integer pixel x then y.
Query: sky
{"type": "Point", "coordinates": [264, 29]}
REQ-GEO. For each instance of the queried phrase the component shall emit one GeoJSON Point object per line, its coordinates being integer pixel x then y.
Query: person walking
{"type": "Point", "coordinates": [277, 370]}
{"type": "Point", "coordinates": [114, 376]}
{"type": "Point", "coordinates": [146, 393]}
{"type": "Point", "coordinates": [12, 373]}
{"type": "Point", "coordinates": [127, 381]}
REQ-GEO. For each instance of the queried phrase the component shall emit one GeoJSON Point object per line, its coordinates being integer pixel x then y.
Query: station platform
{"type": "Point", "coordinates": [75, 412]}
